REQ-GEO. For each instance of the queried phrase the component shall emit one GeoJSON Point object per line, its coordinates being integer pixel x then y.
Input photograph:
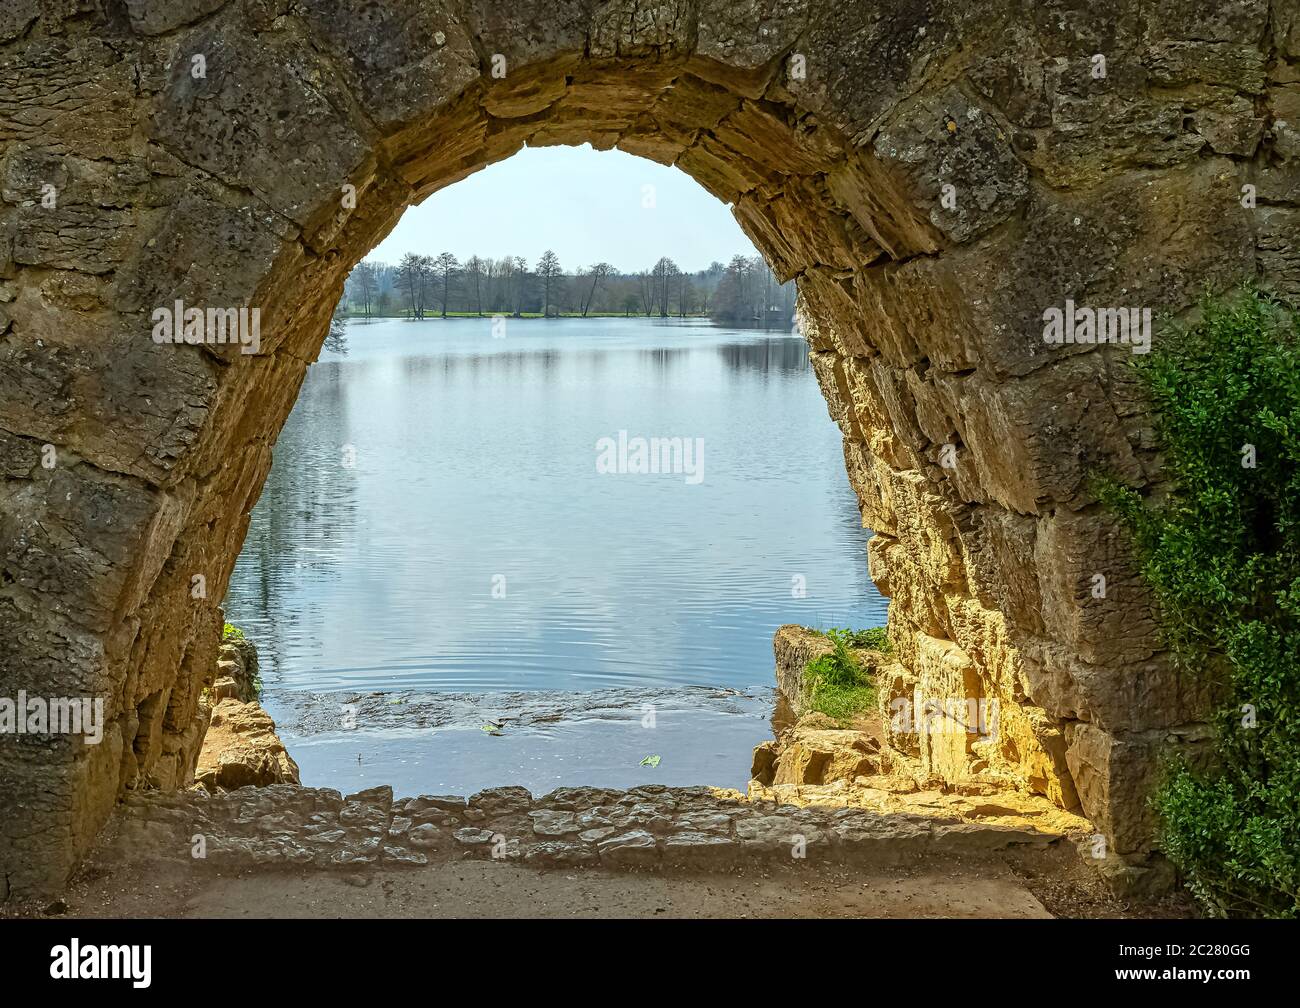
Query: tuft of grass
{"type": "Point", "coordinates": [870, 639]}
{"type": "Point", "coordinates": [1222, 556]}
{"type": "Point", "coordinates": [836, 684]}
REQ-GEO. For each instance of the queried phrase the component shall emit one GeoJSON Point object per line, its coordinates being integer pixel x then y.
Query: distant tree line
{"type": "Point", "coordinates": [743, 293]}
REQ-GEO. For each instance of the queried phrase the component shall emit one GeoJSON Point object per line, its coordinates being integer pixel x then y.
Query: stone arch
{"type": "Point", "coordinates": [933, 173]}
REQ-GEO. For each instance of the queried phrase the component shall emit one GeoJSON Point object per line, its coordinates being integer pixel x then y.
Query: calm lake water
{"type": "Point", "coordinates": [436, 553]}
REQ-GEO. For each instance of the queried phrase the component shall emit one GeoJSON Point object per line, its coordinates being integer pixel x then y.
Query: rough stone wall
{"type": "Point", "coordinates": [832, 127]}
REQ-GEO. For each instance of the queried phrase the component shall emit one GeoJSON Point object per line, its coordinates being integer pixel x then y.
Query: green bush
{"type": "Point", "coordinates": [836, 684]}
{"type": "Point", "coordinates": [1223, 558]}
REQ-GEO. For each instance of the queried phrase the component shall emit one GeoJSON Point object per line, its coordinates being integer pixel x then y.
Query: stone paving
{"type": "Point", "coordinates": [641, 828]}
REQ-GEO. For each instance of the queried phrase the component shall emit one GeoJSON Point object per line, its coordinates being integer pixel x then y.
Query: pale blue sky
{"type": "Point", "coordinates": [583, 203]}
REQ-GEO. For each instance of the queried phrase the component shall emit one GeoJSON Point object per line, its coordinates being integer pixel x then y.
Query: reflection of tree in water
{"type": "Point", "coordinates": [665, 359]}
{"type": "Point", "coordinates": [307, 505]}
{"type": "Point", "coordinates": [788, 355]}
{"type": "Point", "coordinates": [783, 354]}
{"type": "Point", "coordinates": [501, 366]}
{"type": "Point", "coordinates": [336, 340]}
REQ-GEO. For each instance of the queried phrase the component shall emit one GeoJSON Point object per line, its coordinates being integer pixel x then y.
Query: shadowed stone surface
{"type": "Point", "coordinates": [834, 128]}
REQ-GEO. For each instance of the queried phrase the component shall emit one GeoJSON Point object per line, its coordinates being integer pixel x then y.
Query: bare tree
{"type": "Point", "coordinates": [646, 291]}
{"type": "Point", "coordinates": [474, 269]}
{"type": "Point", "coordinates": [683, 286]}
{"type": "Point", "coordinates": [664, 273]}
{"type": "Point", "coordinates": [598, 273]}
{"type": "Point", "coordinates": [413, 276]}
{"type": "Point", "coordinates": [499, 272]}
{"type": "Point", "coordinates": [365, 284]}
{"type": "Point", "coordinates": [444, 268]}
{"type": "Point", "coordinates": [519, 284]}
{"type": "Point", "coordinates": [548, 268]}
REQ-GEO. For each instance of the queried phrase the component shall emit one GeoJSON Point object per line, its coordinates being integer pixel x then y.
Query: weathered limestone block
{"type": "Point", "coordinates": [1194, 64]}
{"type": "Point", "coordinates": [73, 214]}
{"type": "Point", "coordinates": [683, 109]}
{"type": "Point", "coordinates": [72, 534]}
{"type": "Point", "coordinates": [1033, 747]}
{"type": "Point", "coordinates": [155, 17]}
{"type": "Point", "coordinates": [999, 550]}
{"type": "Point", "coordinates": [1043, 437]}
{"type": "Point", "coordinates": [1100, 126]}
{"type": "Point", "coordinates": [58, 366]}
{"type": "Point", "coordinates": [1015, 79]}
{"type": "Point", "coordinates": [1115, 775]}
{"type": "Point", "coordinates": [529, 31]}
{"type": "Point", "coordinates": [794, 647]}
{"type": "Point", "coordinates": [404, 63]}
{"type": "Point", "coordinates": [67, 97]}
{"type": "Point", "coordinates": [913, 598]}
{"type": "Point", "coordinates": [949, 693]}
{"type": "Point", "coordinates": [1286, 27]}
{"type": "Point", "coordinates": [927, 528]}
{"type": "Point", "coordinates": [1094, 601]}
{"type": "Point", "coordinates": [741, 41]}
{"type": "Point", "coordinates": [1202, 20]}
{"type": "Point", "coordinates": [813, 751]}
{"type": "Point", "coordinates": [755, 135]}
{"type": "Point", "coordinates": [1285, 102]}
{"type": "Point", "coordinates": [270, 116]}
{"type": "Point", "coordinates": [1133, 697]}
{"type": "Point", "coordinates": [915, 314]}
{"type": "Point", "coordinates": [236, 671]}
{"type": "Point", "coordinates": [774, 225]}
{"type": "Point", "coordinates": [1278, 254]}
{"type": "Point", "coordinates": [985, 637]}
{"type": "Point", "coordinates": [875, 199]}
{"type": "Point", "coordinates": [1135, 241]}
{"type": "Point", "coordinates": [18, 16]}
{"type": "Point", "coordinates": [898, 39]}
{"type": "Point", "coordinates": [965, 176]}
{"type": "Point", "coordinates": [876, 411]}
{"type": "Point", "coordinates": [872, 402]}
{"type": "Point", "coordinates": [242, 242]}
{"type": "Point", "coordinates": [631, 28]}
{"type": "Point", "coordinates": [242, 749]}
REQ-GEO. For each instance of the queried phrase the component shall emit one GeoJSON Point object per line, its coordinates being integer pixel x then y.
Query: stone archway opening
{"type": "Point", "coordinates": [928, 194]}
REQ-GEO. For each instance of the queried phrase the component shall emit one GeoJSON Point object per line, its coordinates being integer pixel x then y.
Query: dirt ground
{"type": "Point", "coordinates": [1037, 885]}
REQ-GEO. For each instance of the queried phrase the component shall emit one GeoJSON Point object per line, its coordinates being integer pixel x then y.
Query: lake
{"type": "Point", "coordinates": [457, 577]}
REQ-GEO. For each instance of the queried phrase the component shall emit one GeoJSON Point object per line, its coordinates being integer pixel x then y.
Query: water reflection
{"type": "Point", "coordinates": [785, 355]}
{"type": "Point", "coordinates": [468, 543]}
